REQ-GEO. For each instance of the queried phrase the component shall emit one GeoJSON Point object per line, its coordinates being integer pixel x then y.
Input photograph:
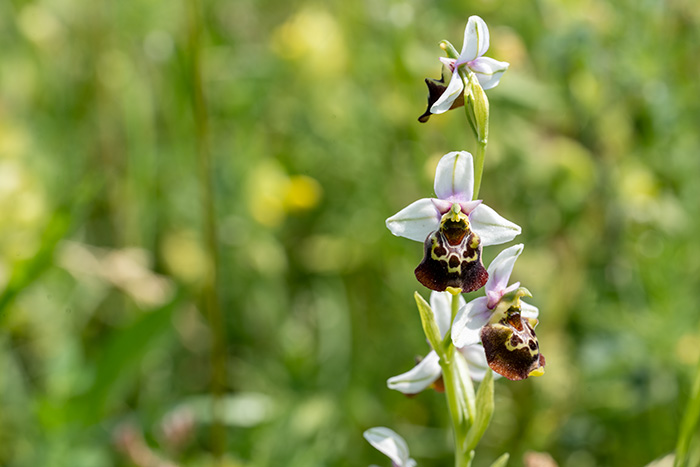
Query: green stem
{"type": "Point", "coordinates": [461, 411]}
{"type": "Point", "coordinates": [211, 290]}
{"type": "Point", "coordinates": [458, 422]}
{"type": "Point", "coordinates": [479, 166]}
{"type": "Point", "coordinates": [689, 423]}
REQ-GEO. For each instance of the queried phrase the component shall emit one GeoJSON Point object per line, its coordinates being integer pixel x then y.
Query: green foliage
{"type": "Point", "coordinates": [430, 327]}
{"type": "Point", "coordinates": [484, 411]}
{"type": "Point", "coordinates": [311, 114]}
{"type": "Point", "coordinates": [502, 461]}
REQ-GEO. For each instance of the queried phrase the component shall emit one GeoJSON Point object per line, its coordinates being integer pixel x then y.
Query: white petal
{"type": "Point", "coordinates": [488, 71]}
{"type": "Point", "coordinates": [454, 176]}
{"type": "Point", "coordinates": [444, 102]}
{"type": "Point", "coordinates": [441, 304]}
{"type": "Point", "coordinates": [389, 443]}
{"type": "Point", "coordinates": [415, 221]}
{"type": "Point", "coordinates": [528, 311]}
{"type": "Point", "coordinates": [491, 227]}
{"type": "Point", "coordinates": [476, 359]}
{"type": "Point", "coordinates": [466, 329]}
{"type": "Point", "coordinates": [476, 39]}
{"type": "Point", "coordinates": [419, 377]}
{"type": "Point", "coordinates": [501, 268]}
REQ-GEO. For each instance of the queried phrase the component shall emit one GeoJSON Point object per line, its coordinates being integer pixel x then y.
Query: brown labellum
{"type": "Point", "coordinates": [436, 88]}
{"type": "Point", "coordinates": [452, 258]}
{"type": "Point", "coordinates": [511, 346]}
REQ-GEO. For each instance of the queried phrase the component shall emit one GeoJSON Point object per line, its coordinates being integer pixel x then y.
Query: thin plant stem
{"type": "Point", "coordinates": [461, 412]}
{"type": "Point", "coordinates": [210, 291]}
{"type": "Point", "coordinates": [458, 422]}
{"type": "Point", "coordinates": [689, 423]}
{"type": "Point", "coordinates": [479, 166]}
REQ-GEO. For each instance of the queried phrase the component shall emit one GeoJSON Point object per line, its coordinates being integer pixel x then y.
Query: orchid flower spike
{"type": "Point", "coordinates": [453, 227]}
{"type": "Point", "coordinates": [502, 322]}
{"type": "Point", "coordinates": [487, 70]}
{"type": "Point", "coordinates": [427, 372]}
{"type": "Point", "coordinates": [389, 442]}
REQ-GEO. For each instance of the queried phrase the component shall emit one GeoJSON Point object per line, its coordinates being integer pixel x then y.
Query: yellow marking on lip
{"type": "Point", "coordinates": [472, 258]}
{"type": "Point", "coordinates": [457, 268]}
{"type": "Point", "coordinates": [475, 241]}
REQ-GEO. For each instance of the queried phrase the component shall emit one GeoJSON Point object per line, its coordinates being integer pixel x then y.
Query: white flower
{"type": "Point", "coordinates": [477, 313]}
{"type": "Point", "coordinates": [453, 228]}
{"type": "Point", "coordinates": [487, 70]}
{"type": "Point", "coordinates": [423, 375]}
{"type": "Point", "coordinates": [388, 442]}
{"type": "Point", "coordinates": [502, 322]}
{"type": "Point", "coordinates": [454, 183]}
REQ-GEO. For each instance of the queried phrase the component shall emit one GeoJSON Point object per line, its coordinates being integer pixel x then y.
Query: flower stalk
{"type": "Point", "coordinates": [459, 421]}
{"type": "Point", "coordinates": [494, 332]}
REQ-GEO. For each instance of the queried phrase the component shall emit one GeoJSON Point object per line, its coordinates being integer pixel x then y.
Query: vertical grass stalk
{"type": "Point", "coordinates": [689, 423]}
{"type": "Point", "coordinates": [210, 291]}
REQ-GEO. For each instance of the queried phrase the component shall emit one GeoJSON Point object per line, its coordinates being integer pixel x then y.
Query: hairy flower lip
{"type": "Point", "coordinates": [511, 347]}
{"type": "Point", "coordinates": [477, 313]}
{"type": "Point", "coordinates": [502, 322]}
{"type": "Point", "coordinates": [452, 265]}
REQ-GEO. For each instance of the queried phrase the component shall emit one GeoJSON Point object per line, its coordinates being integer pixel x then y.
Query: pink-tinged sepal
{"type": "Point", "coordinates": [452, 256]}
{"type": "Point", "coordinates": [510, 343]}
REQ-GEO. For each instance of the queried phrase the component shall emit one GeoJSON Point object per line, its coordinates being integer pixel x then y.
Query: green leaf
{"type": "Point", "coordinates": [118, 362]}
{"type": "Point", "coordinates": [484, 411]}
{"type": "Point", "coordinates": [27, 271]}
{"type": "Point", "coordinates": [464, 389]}
{"type": "Point", "coordinates": [430, 327]}
{"type": "Point", "coordinates": [501, 461]}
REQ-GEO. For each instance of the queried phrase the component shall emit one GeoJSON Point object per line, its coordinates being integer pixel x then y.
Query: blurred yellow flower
{"type": "Point", "coordinates": [302, 193]}
{"type": "Point", "coordinates": [185, 257]}
{"type": "Point", "coordinates": [314, 37]}
{"type": "Point", "coordinates": [272, 193]}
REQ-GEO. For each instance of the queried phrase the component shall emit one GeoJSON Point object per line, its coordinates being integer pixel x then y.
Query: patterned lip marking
{"type": "Point", "coordinates": [452, 257]}
{"type": "Point", "coordinates": [511, 346]}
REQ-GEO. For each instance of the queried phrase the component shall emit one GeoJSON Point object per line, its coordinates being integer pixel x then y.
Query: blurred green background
{"type": "Point", "coordinates": [305, 112]}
